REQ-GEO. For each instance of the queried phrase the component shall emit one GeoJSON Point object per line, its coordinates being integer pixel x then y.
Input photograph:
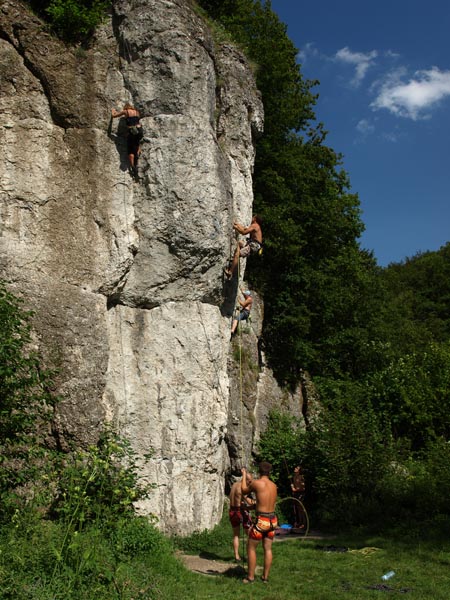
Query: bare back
{"type": "Point", "coordinates": [255, 232]}
{"type": "Point", "coordinates": [266, 494]}
{"type": "Point", "coordinates": [236, 494]}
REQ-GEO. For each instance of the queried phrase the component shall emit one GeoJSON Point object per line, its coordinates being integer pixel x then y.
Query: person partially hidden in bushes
{"type": "Point", "coordinates": [252, 244]}
{"type": "Point", "coordinates": [135, 134]}
{"type": "Point", "coordinates": [298, 492]}
{"type": "Point", "coordinates": [239, 514]}
{"type": "Point", "coordinates": [244, 313]}
{"type": "Point", "coordinates": [266, 520]}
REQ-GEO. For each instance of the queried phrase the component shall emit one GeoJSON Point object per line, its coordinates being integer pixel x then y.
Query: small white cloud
{"type": "Point", "coordinates": [390, 136]}
{"type": "Point", "coordinates": [415, 98]}
{"type": "Point", "coordinates": [360, 60]}
{"type": "Point", "coordinates": [307, 52]}
{"type": "Point", "coordinates": [365, 127]}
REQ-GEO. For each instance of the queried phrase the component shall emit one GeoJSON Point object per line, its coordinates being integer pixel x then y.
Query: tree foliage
{"type": "Point", "coordinates": [314, 277]}
{"type": "Point", "coordinates": [413, 392]}
{"type": "Point", "coordinates": [418, 296]}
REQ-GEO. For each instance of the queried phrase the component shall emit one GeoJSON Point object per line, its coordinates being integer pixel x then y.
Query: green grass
{"type": "Point", "coordinates": [134, 561]}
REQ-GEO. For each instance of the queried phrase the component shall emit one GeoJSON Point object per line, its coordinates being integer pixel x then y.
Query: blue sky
{"type": "Point", "coordinates": [384, 98]}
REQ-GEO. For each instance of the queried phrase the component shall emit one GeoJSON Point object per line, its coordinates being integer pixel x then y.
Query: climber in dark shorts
{"type": "Point", "coordinates": [239, 514]}
{"type": "Point", "coordinates": [135, 134]}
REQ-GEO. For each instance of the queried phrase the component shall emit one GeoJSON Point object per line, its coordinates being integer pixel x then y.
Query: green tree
{"type": "Point", "coordinates": [419, 296]}
{"type": "Point", "coordinates": [281, 445]}
{"type": "Point", "coordinates": [348, 451]}
{"type": "Point", "coordinates": [414, 393]}
{"type": "Point", "coordinates": [318, 285]}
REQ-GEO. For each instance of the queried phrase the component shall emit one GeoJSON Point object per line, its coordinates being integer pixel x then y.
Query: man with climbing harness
{"type": "Point", "coordinates": [135, 134]}
{"type": "Point", "coordinates": [244, 313]}
{"type": "Point", "coordinates": [252, 245]}
{"type": "Point", "coordinates": [239, 514]}
{"type": "Point", "coordinates": [266, 520]}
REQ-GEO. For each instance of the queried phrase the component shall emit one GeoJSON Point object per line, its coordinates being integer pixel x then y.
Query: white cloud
{"type": "Point", "coordinates": [415, 98]}
{"type": "Point", "coordinates": [360, 60]}
{"type": "Point", "coordinates": [365, 127]}
{"type": "Point", "coordinates": [308, 51]}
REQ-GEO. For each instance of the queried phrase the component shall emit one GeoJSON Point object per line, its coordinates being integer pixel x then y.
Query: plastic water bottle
{"type": "Point", "coordinates": [387, 575]}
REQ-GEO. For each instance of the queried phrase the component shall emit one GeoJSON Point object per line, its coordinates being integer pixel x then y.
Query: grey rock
{"type": "Point", "coordinates": [125, 277]}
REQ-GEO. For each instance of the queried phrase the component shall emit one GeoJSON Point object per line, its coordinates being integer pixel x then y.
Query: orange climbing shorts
{"type": "Point", "coordinates": [264, 527]}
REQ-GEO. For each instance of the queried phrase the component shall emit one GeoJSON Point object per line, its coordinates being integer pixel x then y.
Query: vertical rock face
{"type": "Point", "coordinates": [125, 278]}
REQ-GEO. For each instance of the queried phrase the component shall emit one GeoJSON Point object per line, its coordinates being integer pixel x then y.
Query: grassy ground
{"type": "Point", "coordinates": [322, 570]}
{"type": "Point", "coordinates": [137, 563]}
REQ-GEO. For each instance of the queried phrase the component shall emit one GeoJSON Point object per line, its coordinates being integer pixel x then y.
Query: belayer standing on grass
{"type": "Point", "coordinates": [244, 313]}
{"type": "Point", "coordinates": [239, 514]}
{"type": "Point", "coordinates": [266, 520]}
{"type": "Point", "coordinates": [135, 134]}
{"type": "Point", "coordinates": [251, 245]}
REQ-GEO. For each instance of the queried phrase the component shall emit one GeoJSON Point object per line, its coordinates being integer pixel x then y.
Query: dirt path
{"type": "Point", "coordinates": [208, 565]}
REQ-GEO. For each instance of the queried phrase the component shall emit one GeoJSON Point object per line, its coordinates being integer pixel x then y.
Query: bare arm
{"type": "Point", "coordinates": [115, 113]}
{"type": "Point", "coordinates": [244, 230]}
{"type": "Point", "coordinates": [246, 303]}
{"type": "Point", "coordinates": [246, 482]}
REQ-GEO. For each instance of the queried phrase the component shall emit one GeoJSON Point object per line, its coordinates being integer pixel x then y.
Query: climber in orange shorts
{"type": "Point", "coordinates": [266, 520]}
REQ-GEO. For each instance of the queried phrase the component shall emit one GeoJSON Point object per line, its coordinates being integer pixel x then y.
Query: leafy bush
{"type": "Point", "coordinates": [100, 484]}
{"type": "Point", "coordinates": [138, 536]}
{"type": "Point", "coordinates": [281, 444]}
{"type": "Point", "coordinates": [72, 20]}
{"type": "Point", "coordinates": [26, 403]}
{"type": "Point", "coordinates": [348, 450]}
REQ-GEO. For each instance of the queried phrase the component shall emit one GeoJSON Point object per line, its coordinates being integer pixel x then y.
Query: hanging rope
{"type": "Point", "coordinates": [241, 398]}
{"type": "Point", "coordinates": [304, 524]}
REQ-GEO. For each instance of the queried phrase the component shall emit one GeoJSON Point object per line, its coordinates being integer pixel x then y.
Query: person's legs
{"type": "Point", "coordinates": [267, 547]}
{"type": "Point", "coordinates": [296, 512]}
{"type": "Point", "coordinates": [236, 531]}
{"type": "Point", "coordinates": [237, 254]}
{"type": "Point", "coordinates": [234, 325]}
{"type": "Point", "coordinates": [251, 558]}
{"type": "Point", "coordinates": [133, 152]}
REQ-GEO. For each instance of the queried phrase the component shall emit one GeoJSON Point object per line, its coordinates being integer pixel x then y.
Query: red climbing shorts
{"type": "Point", "coordinates": [264, 527]}
{"type": "Point", "coordinates": [238, 517]}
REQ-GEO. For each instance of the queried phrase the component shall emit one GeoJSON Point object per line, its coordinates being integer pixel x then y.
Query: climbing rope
{"type": "Point", "coordinates": [305, 528]}
{"type": "Point", "coordinates": [241, 398]}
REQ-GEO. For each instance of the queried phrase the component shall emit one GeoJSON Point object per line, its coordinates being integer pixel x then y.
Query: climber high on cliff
{"type": "Point", "coordinates": [135, 134]}
{"type": "Point", "coordinates": [251, 245]}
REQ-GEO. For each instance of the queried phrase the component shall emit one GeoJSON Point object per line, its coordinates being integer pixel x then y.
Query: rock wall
{"type": "Point", "coordinates": [125, 278]}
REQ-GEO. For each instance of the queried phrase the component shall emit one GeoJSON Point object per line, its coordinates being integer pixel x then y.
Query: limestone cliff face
{"type": "Point", "coordinates": [125, 278]}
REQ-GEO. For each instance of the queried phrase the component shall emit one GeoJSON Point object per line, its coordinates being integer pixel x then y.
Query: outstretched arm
{"type": "Point", "coordinates": [115, 113]}
{"type": "Point", "coordinates": [243, 230]}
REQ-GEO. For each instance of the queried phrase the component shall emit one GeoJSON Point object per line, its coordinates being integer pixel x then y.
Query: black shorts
{"type": "Point", "coordinates": [134, 141]}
